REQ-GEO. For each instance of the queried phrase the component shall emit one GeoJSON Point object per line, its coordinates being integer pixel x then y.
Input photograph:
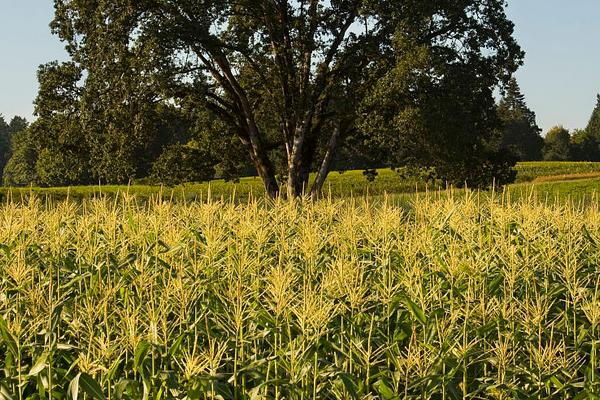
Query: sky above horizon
{"type": "Point", "coordinates": [559, 79]}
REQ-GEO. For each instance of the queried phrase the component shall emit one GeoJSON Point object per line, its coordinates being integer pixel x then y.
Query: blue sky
{"type": "Point", "coordinates": [25, 43]}
{"type": "Point", "coordinates": [560, 78]}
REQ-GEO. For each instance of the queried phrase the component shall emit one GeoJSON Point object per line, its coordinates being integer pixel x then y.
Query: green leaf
{"type": "Point", "coordinates": [589, 236]}
{"type": "Point", "coordinates": [176, 344]}
{"type": "Point", "coordinates": [39, 365]}
{"type": "Point", "coordinates": [415, 310]}
{"type": "Point", "coordinates": [42, 385]}
{"type": "Point", "coordinates": [140, 354]}
{"type": "Point", "coordinates": [559, 385]}
{"type": "Point", "coordinates": [8, 338]}
{"type": "Point", "coordinates": [5, 393]}
{"type": "Point", "coordinates": [385, 391]}
{"type": "Point", "coordinates": [75, 281]}
{"type": "Point", "coordinates": [91, 387]}
{"type": "Point", "coordinates": [349, 384]}
{"type": "Point", "coordinates": [138, 364]}
{"type": "Point", "coordinates": [124, 386]}
{"type": "Point", "coordinates": [495, 284]}
{"type": "Point", "coordinates": [453, 391]}
{"type": "Point", "coordinates": [112, 371]}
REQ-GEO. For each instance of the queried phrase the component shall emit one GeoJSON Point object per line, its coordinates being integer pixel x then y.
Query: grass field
{"type": "Point", "coordinates": [338, 185]}
{"type": "Point", "coordinates": [532, 171]}
{"type": "Point", "coordinates": [346, 184]}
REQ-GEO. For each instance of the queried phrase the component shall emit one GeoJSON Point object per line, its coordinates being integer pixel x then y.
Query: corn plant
{"type": "Point", "coordinates": [443, 298]}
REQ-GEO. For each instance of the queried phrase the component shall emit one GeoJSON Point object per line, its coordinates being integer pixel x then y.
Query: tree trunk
{"type": "Point", "coordinates": [267, 174]}
{"type": "Point", "coordinates": [263, 166]}
{"type": "Point", "coordinates": [317, 186]}
{"type": "Point", "coordinates": [261, 160]}
{"type": "Point", "coordinates": [254, 141]}
{"type": "Point", "coordinates": [295, 166]}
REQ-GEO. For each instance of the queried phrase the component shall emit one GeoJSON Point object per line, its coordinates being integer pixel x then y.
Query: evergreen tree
{"type": "Point", "coordinates": [593, 127]}
{"type": "Point", "coordinates": [585, 143]}
{"type": "Point", "coordinates": [521, 133]}
{"type": "Point", "coordinates": [17, 124]}
{"type": "Point", "coordinates": [4, 142]}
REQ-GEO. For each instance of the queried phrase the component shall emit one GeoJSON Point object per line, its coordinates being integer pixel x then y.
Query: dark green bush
{"type": "Point", "coordinates": [182, 163]}
{"type": "Point", "coordinates": [58, 168]}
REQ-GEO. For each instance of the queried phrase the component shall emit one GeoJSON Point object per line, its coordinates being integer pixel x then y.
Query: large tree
{"type": "Point", "coordinates": [520, 132]}
{"type": "Point", "coordinates": [284, 76]}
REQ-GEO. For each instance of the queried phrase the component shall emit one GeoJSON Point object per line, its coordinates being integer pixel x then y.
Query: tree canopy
{"type": "Point", "coordinates": [557, 144]}
{"type": "Point", "coordinates": [520, 131]}
{"type": "Point", "coordinates": [287, 82]}
{"type": "Point", "coordinates": [7, 132]}
{"type": "Point", "coordinates": [593, 127]}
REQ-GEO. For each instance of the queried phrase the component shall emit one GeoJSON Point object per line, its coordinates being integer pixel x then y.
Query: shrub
{"type": "Point", "coordinates": [181, 163]}
{"type": "Point", "coordinates": [370, 174]}
{"type": "Point", "coordinates": [20, 169]}
{"type": "Point", "coordinates": [56, 168]}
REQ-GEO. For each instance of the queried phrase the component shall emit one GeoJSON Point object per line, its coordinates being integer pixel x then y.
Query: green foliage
{"type": "Point", "coordinates": [520, 132]}
{"type": "Point", "coordinates": [182, 164]}
{"type": "Point", "coordinates": [492, 168]}
{"type": "Point", "coordinates": [584, 146]}
{"type": "Point", "coordinates": [20, 169]}
{"type": "Point", "coordinates": [58, 135]}
{"type": "Point", "coordinates": [59, 169]}
{"type": "Point", "coordinates": [428, 111]}
{"type": "Point", "coordinates": [586, 142]}
{"type": "Point", "coordinates": [99, 133]}
{"type": "Point", "coordinates": [593, 127]}
{"type": "Point", "coordinates": [7, 131]}
{"type": "Point", "coordinates": [285, 79]}
{"type": "Point", "coordinates": [557, 145]}
{"type": "Point", "coordinates": [18, 124]}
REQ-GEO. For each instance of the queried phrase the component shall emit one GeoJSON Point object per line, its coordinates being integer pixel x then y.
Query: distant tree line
{"type": "Point", "coordinates": [521, 135]}
{"type": "Point", "coordinates": [558, 144]}
{"type": "Point", "coordinates": [578, 145]}
{"type": "Point", "coordinates": [176, 150]}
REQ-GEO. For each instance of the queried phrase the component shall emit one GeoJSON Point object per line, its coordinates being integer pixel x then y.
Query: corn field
{"type": "Point", "coordinates": [474, 297]}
